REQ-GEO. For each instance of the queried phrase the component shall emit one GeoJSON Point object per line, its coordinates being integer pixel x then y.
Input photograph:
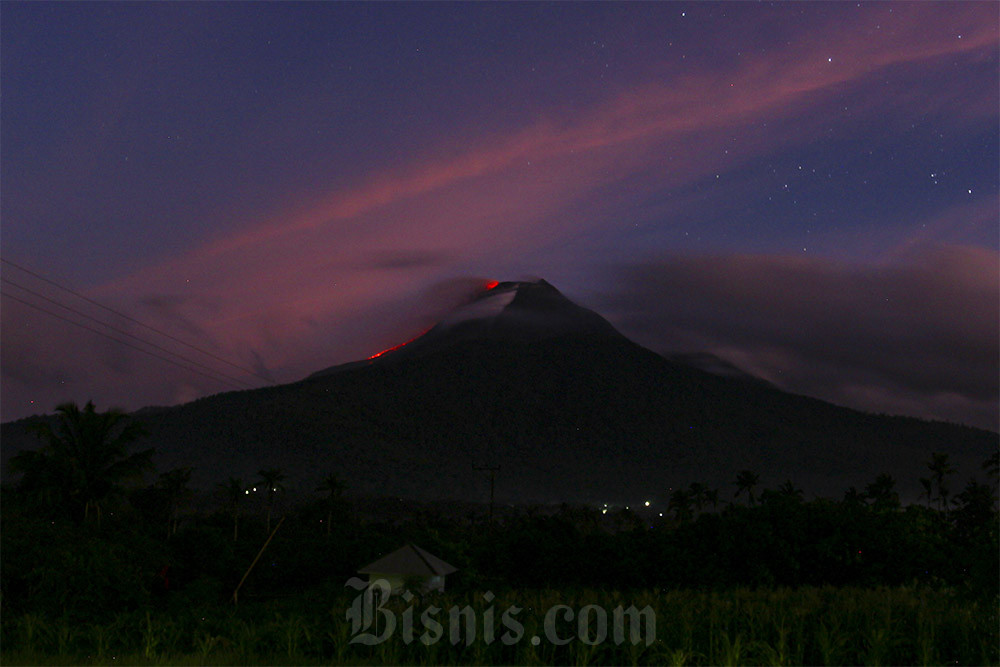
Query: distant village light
{"type": "Point", "coordinates": [647, 503]}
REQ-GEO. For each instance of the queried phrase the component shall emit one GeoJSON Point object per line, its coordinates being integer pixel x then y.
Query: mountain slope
{"type": "Point", "coordinates": [568, 414]}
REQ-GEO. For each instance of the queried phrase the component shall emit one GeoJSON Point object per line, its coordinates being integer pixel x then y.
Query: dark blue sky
{"type": "Point", "coordinates": [294, 185]}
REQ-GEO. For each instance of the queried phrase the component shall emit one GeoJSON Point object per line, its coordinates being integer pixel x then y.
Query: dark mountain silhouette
{"type": "Point", "coordinates": [570, 409]}
{"type": "Point", "coordinates": [511, 312]}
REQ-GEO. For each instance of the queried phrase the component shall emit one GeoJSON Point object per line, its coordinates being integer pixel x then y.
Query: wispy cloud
{"type": "Point", "coordinates": [291, 289]}
{"type": "Point", "coordinates": [919, 331]}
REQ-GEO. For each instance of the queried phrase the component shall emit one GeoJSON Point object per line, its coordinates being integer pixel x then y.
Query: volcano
{"type": "Point", "coordinates": [511, 312]}
{"type": "Point", "coordinates": [522, 378]}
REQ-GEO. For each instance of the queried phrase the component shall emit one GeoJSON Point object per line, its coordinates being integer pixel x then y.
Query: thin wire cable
{"type": "Point", "coordinates": [125, 333]}
{"type": "Point", "coordinates": [132, 319]}
{"type": "Point", "coordinates": [125, 343]}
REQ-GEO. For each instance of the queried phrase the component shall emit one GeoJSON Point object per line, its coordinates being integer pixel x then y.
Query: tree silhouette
{"type": "Point", "coordinates": [235, 490]}
{"type": "Point", "coordinates": [928, 489]}
{"type": "Point", "coordinates": [854, 498]}
{"type": "Point", "coordinates": [940, 469]}
{"type": "Point", "coordinates": [745, 482]}
{"type": "Point", "coordinates": [680, 503]}
{"type": "Point", "coordinates": [331, 485]}
{"type": "Point", "coordinates": [789, 490]}
{"type": "Point", "coordinates": [175, 484]}
{"type": "Point", "coordinates": [698, 494]}
{"type": "Point", "coordinates": [84, 459]}
{"type": "Point", "coordinates": [882, 493]}
{"type": "Point", "coordinates": [625, 519]}
{"type": "Point", "coordinates": [975, 512]}
{"type": "Point", "coordinates": [712, 498]}
{"type": "Point", "coordinates": [271, 478]}
{"type": "Point", "coordinates": [992, 466]}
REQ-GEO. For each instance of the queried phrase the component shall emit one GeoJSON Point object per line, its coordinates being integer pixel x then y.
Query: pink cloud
{"type": "Point", "coordinates": [305, 288]}
{"type": "Point", "coordinates": [657, 111]}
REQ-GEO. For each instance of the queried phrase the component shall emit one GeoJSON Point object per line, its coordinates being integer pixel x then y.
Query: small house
{"type": "Point", "coordinates": [410, 567]}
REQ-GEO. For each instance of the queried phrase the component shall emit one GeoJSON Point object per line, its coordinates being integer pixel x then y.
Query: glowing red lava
{"type": "Point", "coordinates": [396, 347]}
{"type": "Point", "coordinates": [490, 284]}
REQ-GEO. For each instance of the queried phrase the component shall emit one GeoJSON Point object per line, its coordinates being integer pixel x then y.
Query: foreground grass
{"type": "Point", "coordinates": [822, 626]}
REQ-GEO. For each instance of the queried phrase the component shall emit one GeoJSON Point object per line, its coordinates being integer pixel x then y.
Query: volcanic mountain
{"type": "Point", "coordinates": [571, 410]}
{"type": "Point", "coordinates": [508, 312]}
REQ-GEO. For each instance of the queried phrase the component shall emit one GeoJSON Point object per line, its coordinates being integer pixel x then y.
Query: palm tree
{"type": "Point", "coordinates": [746, 481]}
{"type": "Point", "coordinates": [271, 478]}
{"type": "Point", "coordinates": [698, 494]}
{"type": "Point", "coordinates": [940, 469]}
{"type": "Point", "coordinates": [882, 493]}
{"type": "Point", "coordinates": [84, 459]}
{"type": "Point", "coordinates": [175, 484]}
{"type": "Point", "coordinates": [332, 485]}
{"type": "Point", "coordinates": [788, 490]}
{"type": "Point", "coordinates": [712, 497]}
{"type": "Point", "coordinates": [680, 503]}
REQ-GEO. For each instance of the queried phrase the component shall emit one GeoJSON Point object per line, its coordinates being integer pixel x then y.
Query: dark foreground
{"type": "Point", "coordinates": [98, 572]}
{"type": "Point", "coordinates": [821, 626]}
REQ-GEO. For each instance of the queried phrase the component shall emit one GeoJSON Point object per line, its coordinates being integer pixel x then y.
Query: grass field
{"type": "Point", "coordinates": [822, 626]}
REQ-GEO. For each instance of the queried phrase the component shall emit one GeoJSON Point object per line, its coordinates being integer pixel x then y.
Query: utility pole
{"type": "Point", "coordinates": [259, 554]}
{"type": "Point", "coordinates": [492, 470]}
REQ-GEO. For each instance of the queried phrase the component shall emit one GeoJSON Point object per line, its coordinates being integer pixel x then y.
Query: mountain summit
{"type": "Point", "coordinates": [513, 311]}
{"type": "Point", "coordinates": [523, 311]}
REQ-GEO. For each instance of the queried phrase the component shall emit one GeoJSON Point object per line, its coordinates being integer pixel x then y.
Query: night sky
{"type": "Point", "coordinates": [808, 190]}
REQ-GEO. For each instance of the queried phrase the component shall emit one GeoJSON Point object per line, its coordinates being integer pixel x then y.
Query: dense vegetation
{"type": "Point", "coordinates": [97, 567]}
{"type": "Point", "coordinates": [811, 626]}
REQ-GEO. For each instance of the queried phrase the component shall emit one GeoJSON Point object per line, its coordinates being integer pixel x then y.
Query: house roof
{"type": "Point", "coordinates": [409, 560]}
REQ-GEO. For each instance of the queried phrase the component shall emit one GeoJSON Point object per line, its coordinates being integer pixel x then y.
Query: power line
{"type": "Point", "coordinates": [118, 340]}
{"type": "Point", "coordinates": [124, 333]}
{"type": "Point", "coordinates": [132, 319]}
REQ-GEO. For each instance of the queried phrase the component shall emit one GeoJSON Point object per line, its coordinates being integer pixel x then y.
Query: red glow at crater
{"type": "Point", "coordinates": [490, 284]}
